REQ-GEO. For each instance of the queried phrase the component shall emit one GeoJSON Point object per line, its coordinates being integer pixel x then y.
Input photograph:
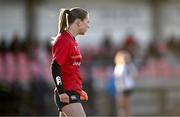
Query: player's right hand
{"type": "Point", "coordinates": [64, 98]}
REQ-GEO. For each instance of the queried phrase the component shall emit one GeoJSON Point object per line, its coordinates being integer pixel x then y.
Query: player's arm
{"type": "Point", "coordinates": [56, 73]}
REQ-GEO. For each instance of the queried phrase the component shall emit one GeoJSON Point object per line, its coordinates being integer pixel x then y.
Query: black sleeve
{"type": "Point", "coordinates": [56, 73]}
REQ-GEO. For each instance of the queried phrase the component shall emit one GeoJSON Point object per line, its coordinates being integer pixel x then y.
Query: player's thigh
{"type": "Point", "coordinates": [74, 109]}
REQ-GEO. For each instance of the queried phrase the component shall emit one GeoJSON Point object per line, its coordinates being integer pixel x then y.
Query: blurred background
{"type": "Point", "coordinates": [148, 29]}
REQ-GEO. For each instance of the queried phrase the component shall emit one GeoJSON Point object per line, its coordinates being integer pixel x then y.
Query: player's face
{"type": "Point", "coordinates": [83, 26]}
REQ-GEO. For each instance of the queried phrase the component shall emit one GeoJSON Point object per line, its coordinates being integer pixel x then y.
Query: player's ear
{"type": "Point", "coordinates": [78, 22]}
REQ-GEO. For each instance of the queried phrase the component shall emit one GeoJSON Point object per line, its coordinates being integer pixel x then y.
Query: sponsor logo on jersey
{"type": "Point", "coordinates": [73, 97]}
{"type": "Point", "coordinates": [77, 63]}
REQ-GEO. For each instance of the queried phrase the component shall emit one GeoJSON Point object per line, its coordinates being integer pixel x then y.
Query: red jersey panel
{"type": "Point", "coordinates": [67, 54]}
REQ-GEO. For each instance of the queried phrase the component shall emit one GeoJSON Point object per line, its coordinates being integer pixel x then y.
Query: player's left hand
{"type": "Point", "coordinates": [83, 96]}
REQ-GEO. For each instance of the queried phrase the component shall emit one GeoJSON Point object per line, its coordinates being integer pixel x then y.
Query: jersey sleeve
{"type": "Point", "coordinates": [56, 73]}
{"type": "Point", "coordinates": [62, 52]}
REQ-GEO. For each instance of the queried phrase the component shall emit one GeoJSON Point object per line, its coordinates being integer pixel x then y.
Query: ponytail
{"type": "Point", "coordinates": [62, 22]}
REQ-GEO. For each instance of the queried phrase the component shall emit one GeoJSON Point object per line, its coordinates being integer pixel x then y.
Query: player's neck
{"type": "Point", "coordinates": [73, 32]}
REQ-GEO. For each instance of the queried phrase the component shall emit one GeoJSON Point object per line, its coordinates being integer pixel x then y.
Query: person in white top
{"type": "Point", "coordinates": [124, 74]}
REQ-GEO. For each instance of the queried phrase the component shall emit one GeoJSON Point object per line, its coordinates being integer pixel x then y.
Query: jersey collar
{"type": "Point", "coordinates": [67, 34]}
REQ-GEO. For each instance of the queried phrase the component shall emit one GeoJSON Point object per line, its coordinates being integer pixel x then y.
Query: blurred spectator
{"type": "Point", "coordinates": [107, 46]}
{"type": "Point", "coordinates": [124, 73]}
{"type": "Point", "coordinates": [3, 45]}
{"type": "Point", "coordinates": [130, 44]}
{"type": "Point", "coordinates": [107, 42]}
{"type": "Point", "coordinates": [153, 49]}
{"type": "Point", "coordinates": [174, 45]}
{"type": "Point", "coordinates": [3, 50]}
{"type": "Point", "coordinates": [15, 44]}
{"type": "Point", "coordinates": [110, 88]}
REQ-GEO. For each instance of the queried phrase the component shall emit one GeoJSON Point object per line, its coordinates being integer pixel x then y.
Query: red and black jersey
{"type": "Point", "coordinates": [67, 54]}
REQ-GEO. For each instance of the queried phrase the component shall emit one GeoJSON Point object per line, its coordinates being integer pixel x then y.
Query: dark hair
{"type": "Point", "coordinates": [67, 17]}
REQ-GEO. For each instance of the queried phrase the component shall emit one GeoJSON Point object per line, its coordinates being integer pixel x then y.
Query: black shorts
{"type": "Point", "coordinates": [74, 98]}
{"type": "Point", "coordinates": [127, 92]}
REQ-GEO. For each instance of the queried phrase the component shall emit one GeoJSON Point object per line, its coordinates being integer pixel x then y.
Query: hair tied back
{"type": "Point", "coordinates": [67, 11]}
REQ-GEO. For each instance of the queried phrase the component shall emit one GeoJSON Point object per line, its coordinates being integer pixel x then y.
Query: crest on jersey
{"type": "Point", "coordinates": [58, 80]}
